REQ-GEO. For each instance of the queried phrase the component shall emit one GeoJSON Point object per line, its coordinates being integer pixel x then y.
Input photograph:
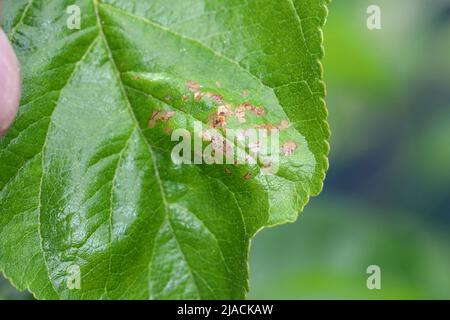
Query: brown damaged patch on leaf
{"type": "Point", "coordinates": [166, 115]}
{"type": "Point", "coordinates": [153, 118]}
{"type": "Point", "coordinates": [283, 125]}
{"type": "Point", "coordinates": [248, 176]}
{"type": "Point", "coordinates": [193, 86]}
{"type": "Point", "coordinates": [159, 115]}
{"type": "Point", "coordinates": [217, 120]}
{"type": "Point", "coordinates": [217, 98]}
{"type": "Point", "coordinates": [225, 110]}
{"type": "Point", "coordinates": [257, 110]}
{"type": "Point", "coordinates": [288, 148]}
{"type": "Point", "coordinates": [198, 96]}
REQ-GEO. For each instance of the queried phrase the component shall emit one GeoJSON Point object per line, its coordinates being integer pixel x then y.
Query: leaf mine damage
{"type": "Point", "coordinates": [220, 117]}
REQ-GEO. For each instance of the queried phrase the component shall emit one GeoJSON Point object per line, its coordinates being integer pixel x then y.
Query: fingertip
{"type": "Point", "coordinates": [9, 84]}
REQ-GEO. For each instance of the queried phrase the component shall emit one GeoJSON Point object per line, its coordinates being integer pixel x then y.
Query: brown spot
{"type": "Point", "coordinates": [168, 98]}
{"type": "Point", "coordinates": [153, 118]}
{"type": "Point", "coordinates": [255, 109]}
{"type": "Point", "coordinates": [248, 176]}
{"type": "Point", "coordinates": [224, 110]}
{"type": "Point", "coordinates": [259, 111]}
{"type": "Point", "coordinates": [137, 78]}
{"type": "Point", "coordinates": [249, 159]}
{"type": "Point", "coordinates": [217, 120]}
{"type": "Point", "coordinates": [266, 165]}
{"type": "Point", "coordinates": [227, 171]}
{"type": "Point", "coordinates": [283, 125]}
{"type": "Point", "coordinates": [159, 115]}
{"type": "Point", "coordinates": [198, 96]}
{"type": "Point", "coordinates": [217, 98]}
{"type": "Point", "coordinates": [166, 115]}
{"type": "Point", "coordinates": [288, 148]}
{"type": "Point", "coordinates": [185, 98]}
{"type": "Point", "coordinates": [193, 86]}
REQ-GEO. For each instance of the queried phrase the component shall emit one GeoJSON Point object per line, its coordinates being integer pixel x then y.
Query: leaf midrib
{"type": "Point", "coordinates": [136, 123]}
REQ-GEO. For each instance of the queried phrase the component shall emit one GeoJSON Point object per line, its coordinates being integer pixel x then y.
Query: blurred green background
{"type": "Point", "coordinates": [386, 200]}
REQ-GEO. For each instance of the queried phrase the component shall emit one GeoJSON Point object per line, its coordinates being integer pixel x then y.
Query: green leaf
{"type": "Point", "coordinates": [85, 180]}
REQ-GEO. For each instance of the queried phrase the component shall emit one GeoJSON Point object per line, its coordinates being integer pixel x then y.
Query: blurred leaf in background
{"type": "Point", "coordinates": [8, 292]}
{"type": "Point", "coordinates": [326, 255]}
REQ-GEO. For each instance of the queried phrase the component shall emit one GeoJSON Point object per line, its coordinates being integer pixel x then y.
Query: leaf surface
{"type": "Point", "coordinates": [86, 177]}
